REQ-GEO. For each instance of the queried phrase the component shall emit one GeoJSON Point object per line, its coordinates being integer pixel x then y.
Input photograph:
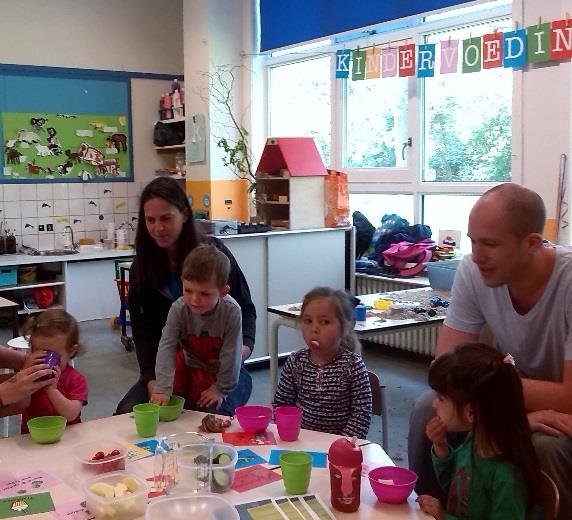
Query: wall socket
{"type": "Point", "coordinates": [49, 227]}
{"type": "Point", "coordinates": [41, 227]}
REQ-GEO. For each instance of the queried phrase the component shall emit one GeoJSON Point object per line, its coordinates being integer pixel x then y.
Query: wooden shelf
{"type": "Point", "coordinates": [36, 311]}
{"type": "Point", "coordinates": [31, 285]}
{"type": "Point", "coordinates": [169, 148]}
{"type": "Point", "coordinates": [171, 121]}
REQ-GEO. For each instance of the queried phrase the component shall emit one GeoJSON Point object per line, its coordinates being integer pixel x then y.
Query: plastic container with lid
{"type": "Point", "coordinates": [97, 457]}
{"type": "Point", "coordinates": [191, 506]}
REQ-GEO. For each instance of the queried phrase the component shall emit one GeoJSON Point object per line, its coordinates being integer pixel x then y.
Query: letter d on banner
{"type": "Point", "coordinates": [514, 47]}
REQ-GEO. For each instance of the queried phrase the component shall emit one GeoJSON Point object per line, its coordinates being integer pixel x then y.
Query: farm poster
{"type": "Point", "coordinates": [67, 147]}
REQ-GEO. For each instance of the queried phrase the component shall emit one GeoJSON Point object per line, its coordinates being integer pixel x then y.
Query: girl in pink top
{"type": "Point", "coordinates": [57, 331]}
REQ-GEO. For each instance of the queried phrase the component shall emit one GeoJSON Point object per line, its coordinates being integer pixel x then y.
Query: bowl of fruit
{"type": "Point", "coordinates": [118, 495]}
{"type": "Point", "coordinates": [97, 457]}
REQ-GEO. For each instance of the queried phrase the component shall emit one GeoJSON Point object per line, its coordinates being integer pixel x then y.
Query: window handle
{"type": "Point", "coordinates": [407, 143]}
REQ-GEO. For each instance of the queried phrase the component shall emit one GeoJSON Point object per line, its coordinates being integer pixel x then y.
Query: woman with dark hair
{"type": "Point", "coordinates": [166, 234]}
{"type": "Point", "coordinates": [494, 473]}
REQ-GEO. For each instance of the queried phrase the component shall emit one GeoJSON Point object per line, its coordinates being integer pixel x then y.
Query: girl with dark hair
{"type": "Point", "coordinates": [328, 380]}
{"type": "Point", "coordinates": [494, 473]}
{"type": "Point", "coordinates": [165, 235]}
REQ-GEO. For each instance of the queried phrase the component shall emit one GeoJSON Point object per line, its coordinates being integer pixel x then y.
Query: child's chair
{"type": "Point", "coordinates": [379, 407]}
{"type": "Point", "coordinates": [550, 495]}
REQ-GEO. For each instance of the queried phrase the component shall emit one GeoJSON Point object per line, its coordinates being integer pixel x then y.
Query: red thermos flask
{"type": "Point", "coordinates": [345, 460]}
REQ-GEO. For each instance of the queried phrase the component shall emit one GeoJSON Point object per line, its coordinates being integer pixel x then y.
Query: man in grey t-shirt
{"type": "Point", "coordinates": [522, 290]}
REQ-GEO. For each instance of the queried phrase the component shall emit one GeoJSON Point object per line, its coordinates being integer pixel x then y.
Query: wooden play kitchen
{"type": "Point", "coordinates": [47, 478]}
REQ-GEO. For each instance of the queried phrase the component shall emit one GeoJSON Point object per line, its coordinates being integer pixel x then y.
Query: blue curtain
{"type": "Point", "coordinates": [288, 22]}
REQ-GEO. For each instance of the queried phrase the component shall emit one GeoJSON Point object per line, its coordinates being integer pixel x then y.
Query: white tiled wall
{"type": "Point", "coordinates": [87, 208]}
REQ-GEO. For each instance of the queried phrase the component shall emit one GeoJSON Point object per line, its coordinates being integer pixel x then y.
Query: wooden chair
{"type": "Point", "coordinates": [379, 407]}
{"type": "Point", "coordinates": [550, 495]}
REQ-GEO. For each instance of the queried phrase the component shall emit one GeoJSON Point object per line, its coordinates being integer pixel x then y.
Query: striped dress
{"type": "Point", "coordinates": [334, 398]}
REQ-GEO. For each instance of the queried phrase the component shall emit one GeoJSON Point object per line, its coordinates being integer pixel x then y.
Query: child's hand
{"type": "Point", "coordinates": [159, 399]}
{"type": "Point", "coordinates": [436, 430]}
{"type": "Point", "coordinates": [54, 380]}
{"type": "Point", "coordinates": [431, 506]}
{"type": "Point", "coordinates": [210, 397]}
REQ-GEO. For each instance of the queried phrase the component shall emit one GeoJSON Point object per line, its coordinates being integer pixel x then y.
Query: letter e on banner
{"type": "Point", "coordinates": [343, 63]}
{"type": "Point", "coordinates": [492, 50]}
{"type": "Point", "coordinates": [406, 55]}
{"type": "Point", "coordinates": [561, 40]}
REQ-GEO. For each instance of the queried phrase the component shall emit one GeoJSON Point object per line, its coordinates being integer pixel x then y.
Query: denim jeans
{"type": "Point", "coordinates": [239, 396]}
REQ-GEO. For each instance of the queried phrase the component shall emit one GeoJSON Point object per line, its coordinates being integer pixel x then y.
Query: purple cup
{"type": "Point", "coordinates": [52, 359]}
{"type": "Point", "coordinates": [288, 421]}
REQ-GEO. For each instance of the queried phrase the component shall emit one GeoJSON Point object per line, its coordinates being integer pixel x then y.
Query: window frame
{"type": "Point", "coordinates": [406, 180]}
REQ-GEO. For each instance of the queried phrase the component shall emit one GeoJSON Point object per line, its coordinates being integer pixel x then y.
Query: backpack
{"type": "Point", "coordinates": [408, 258]}
{"type": "Point", "coordinates": [165, 134]}
{"type": "Point", "coordinates": [364, 232]}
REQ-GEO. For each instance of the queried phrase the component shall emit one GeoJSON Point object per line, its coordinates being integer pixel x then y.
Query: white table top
{"type": "Point", "coordinates": [374, 323]}
{"type": "Point", "coordinates": [19, 455]}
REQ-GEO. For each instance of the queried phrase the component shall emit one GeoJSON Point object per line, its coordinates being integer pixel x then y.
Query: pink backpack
{"type": "Point", "coordinates": [408, 257]}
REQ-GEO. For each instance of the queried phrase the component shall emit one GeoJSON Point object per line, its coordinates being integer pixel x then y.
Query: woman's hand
{"type": "Point", "coordinates": [210, 397]}
{"type": "Point", "coordinates": [35, 358]}
{"type": "Point", "coordinates": [436, 430]}
{"type": "Point", "coordinates": [159, 399]}
{"type": "Point", "coordinates": [24, 383]}
{"type": "Point", "coordinates": [431, 506]}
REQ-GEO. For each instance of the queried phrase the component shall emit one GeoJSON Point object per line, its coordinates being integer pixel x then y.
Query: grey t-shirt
{"type": "Point", "coordinates": [211, 342]}
{"type": "Point", "coordinates": [541, 339]}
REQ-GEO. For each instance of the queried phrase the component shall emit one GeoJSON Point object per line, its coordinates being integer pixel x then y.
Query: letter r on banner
{"type": "Point", "coordinates": [426, 60]}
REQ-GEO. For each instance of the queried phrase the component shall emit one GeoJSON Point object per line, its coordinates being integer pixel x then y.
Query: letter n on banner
{"type": "Point", "coordinates": [538, 43]}
{"type": "Point", "coordinates": [389, 62]}
{"type": "Point", "coordinates": [561, 40]}
{"type": "Point", "coordinates": [406, 55]}
{"type": "Point", "coordinates": [426, 60]}
{"type": "Point", "coordinates": [358, 64]}
{"type": "Point", "coordinates": [449, 56]}
{"type": "Point", "coordinates": [515, 48]}
{"type": "Point", "coordinates": [472, 55]}
{"type": "Point", "coordinates": [343, 63]}
{"type": "Point", "coordinates": [492, 50]}
{"type": "Point", "coordinates": [372, 63]}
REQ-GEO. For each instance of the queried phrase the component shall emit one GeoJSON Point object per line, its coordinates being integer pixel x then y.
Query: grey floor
{"type": "Point", "coordinates": [111, 370]}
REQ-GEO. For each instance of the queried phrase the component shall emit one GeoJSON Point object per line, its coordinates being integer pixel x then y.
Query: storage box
{"type": "Point", "coordinates": [442, 273]}
{"type": "Point", "coordinates": [8, 276]}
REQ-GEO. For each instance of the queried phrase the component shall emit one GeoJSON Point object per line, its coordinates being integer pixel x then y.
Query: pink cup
{"type": "Point", "coordinates": [288, 421]}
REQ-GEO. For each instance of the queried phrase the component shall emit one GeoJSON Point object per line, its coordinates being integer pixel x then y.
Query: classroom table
{"type": "Point", "coordinates": [20, 455]}
{"type": "Point", "coordinates": [289, 314]}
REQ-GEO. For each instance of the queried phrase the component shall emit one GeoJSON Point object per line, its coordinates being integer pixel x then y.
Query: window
{"type": "Point", "coordinates": [468, 121]}
{"type": "Point", "coordinates": [299, 103]}
{"type": "Point", "coordinates": [375, 205]}
{"type": "Point", "coordinates": [376, 123]}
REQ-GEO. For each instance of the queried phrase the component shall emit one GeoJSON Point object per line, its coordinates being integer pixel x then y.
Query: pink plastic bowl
{"type": "Point", "coordinates": [253, 418]}
{"type": "Point", "coordinates": [403, 483]}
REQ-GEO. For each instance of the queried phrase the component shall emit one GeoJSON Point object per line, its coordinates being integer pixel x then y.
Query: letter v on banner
{"type": "Point", "coordinates": [449, 56]}
{"type": "Point", "coordinates": [343, 63]}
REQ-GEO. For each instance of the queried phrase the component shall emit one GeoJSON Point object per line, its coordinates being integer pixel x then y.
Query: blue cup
{"type": "Point", "coordinates": [360, 312]}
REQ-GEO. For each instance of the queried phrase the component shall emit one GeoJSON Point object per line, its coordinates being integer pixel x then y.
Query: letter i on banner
{"type": "Point", "coordinates": [358, 64]}
{"type": "Point", "coordinates": [426, 60]}
{"type": "Point", "coordinates": [561, 40]}
{"type": "Point", "coordinates": [449, 56]}
{"type": "Point", "coordinates": [472, 55]}
{"type": "Point", "coordinates": [372, 62]}
{"type": "Point", "coordinates": [514, 49]}
{"type": "Point", "coordinates": [406, 55]}
{"type": "Point", "coordinates": [343, 63]}
{"type": "Point", "coordinates": [492, 50]}
{"type": "Point", "coordinates": [538, 43]}
{"type": "Point", "coordinates": [389, 62]}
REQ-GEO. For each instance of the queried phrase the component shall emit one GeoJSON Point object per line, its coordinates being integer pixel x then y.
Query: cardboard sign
{"type": "Point", "coordinates": [30, 483]}
{"type": "Point", "coordinates": [253, 477]}
{"type": "Point", "coordinates": [25, 505]}
{"type": "Point", "coordinates": [248, 439]}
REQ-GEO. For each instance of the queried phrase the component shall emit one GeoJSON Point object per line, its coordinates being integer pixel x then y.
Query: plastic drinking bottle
{"type": "Point", "coordinates": [345, 460]}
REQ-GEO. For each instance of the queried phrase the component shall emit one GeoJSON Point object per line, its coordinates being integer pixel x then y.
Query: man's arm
{"type": "Point", "coordinates": [449, 338]}
{"type": "Point", "coordinates": [11, 358]}
{"type": "Point", "coordinates": [548, 395]}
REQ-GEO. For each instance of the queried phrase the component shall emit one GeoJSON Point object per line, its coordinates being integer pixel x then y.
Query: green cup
{"type": "Point", "coordinates": [146, 418]}
{"type": "Point", "coordinates": [296, 469]}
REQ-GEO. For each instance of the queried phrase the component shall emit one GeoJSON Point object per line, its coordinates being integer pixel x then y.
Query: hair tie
{"type": "Point", "coordinates": [509, 360]}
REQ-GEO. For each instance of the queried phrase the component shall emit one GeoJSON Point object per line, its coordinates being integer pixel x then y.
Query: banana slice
{"type": "Point", "coordinates": [102, 489]}
{"type": "Point", "coordinates": [131, 484]}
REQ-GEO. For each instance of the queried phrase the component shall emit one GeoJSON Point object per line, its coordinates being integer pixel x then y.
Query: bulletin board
{"type": "Point", "coordinates": [48, 145]}
{"type": "Point", "coordinates": [64, 125]}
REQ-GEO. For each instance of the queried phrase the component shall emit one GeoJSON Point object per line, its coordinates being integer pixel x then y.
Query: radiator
{"type": "Point", "coordinates": [422, 339]}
